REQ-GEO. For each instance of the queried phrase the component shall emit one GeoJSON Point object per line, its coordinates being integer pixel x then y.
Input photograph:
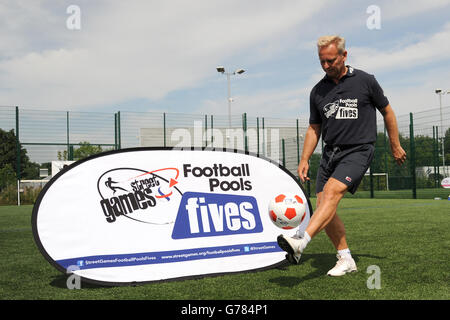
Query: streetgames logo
{"type": "Point", "coordinates": [342, 109]}
{"type": "Point", "coordinates": [140, 195]}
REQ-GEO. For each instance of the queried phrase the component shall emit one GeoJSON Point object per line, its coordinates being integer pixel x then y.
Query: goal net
{"type": "Point", "coordinates": [28, 190]}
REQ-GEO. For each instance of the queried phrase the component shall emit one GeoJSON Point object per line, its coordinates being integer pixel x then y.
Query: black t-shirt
{"type": "Point", "coordinates": [346, 110]}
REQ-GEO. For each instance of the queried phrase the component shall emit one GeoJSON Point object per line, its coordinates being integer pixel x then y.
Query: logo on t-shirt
{"type": "Point", "coordinates": [342, 109]}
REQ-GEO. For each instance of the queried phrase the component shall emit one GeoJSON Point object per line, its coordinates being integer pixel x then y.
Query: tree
{"type": "Point", "coordinates": [7, 176]}
{"type": "Point", "coordinates": [447, 147]}
{"type": "Point", "coordinates": [62, 156]}
{"type": "Point", "coordinates": [8, 155]}
{"type": "Point", "coordinates": [85, 150]}
{"type": "Point", "coordinates": [314, 163]}
{"type": "Point", "coordinates": [424, 151]}
{"type": "Point", "coordinates": [383, 161]}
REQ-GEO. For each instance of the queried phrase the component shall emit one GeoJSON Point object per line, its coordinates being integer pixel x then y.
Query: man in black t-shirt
{"type": "Point", "coordinates": [343, 110]}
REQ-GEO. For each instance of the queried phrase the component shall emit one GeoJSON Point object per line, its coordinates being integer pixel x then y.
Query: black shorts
{"type": "Point", "coordinates": [348, 164]}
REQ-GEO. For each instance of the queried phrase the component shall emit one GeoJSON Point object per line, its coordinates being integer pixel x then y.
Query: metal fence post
{"type": "Point", "coordinates": [372, 193]}
{"type": "Point", "coordinates": [412, 160]}
{"type": "Point", "coordinates": [67, 135]}
{"type": "Point", "coordinates": [212, 130]}
{"type": "Point", "coordinates": [434, 161]}
{"type": "Point", "coordinates": [17, 156]}
{"type": "Point", "coordinates": [244, 127]}
{"type": "Point", "coordinates": [119, 142]}
{"type": "Point", "coordinates": [264, 138]}
{"type": "Point", "coordinates": [115, 132]}
{"type": "Point", "coordinates": [298, 143]}
{"type": "Point", "coordinates": [385, 154]}
{"type": "Point", "coordinates": [437, 154]}
{"type": "Point", "coordinates": [70, 153]}
{"type": "Point", "coordinates": [435, 158]}
{"type": "Point", "coordinates": [164, 128]}
{"type": "Point", "coordinates": [283, 151]}
{"type": "Point", "coordinates": [206, 130]}
{"type": "Point", "coordinates": [257, 136]}
{"type": "Point", "coordinates": [17, 145]}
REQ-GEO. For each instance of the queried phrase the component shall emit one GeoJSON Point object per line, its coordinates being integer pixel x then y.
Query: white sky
{"type": "Point", "coordinates": [161, 55]}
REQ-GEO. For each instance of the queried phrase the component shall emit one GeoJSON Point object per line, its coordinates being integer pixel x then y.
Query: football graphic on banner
{"type": "Point", "coordinates": [150, 214]}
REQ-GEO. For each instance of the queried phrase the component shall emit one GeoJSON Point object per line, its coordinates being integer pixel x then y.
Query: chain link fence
{"type": "Point", "coordinates": [33, 139]}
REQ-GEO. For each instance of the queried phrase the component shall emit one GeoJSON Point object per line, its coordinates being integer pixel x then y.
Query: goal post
{"type": "Point", "coordinates": [29, 189]}
{"type": "Point", "coordinates": [380, 174]}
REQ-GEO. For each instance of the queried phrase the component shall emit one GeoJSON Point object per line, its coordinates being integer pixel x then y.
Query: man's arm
{"type": "Point", "coordinates": [391, 126]}
{"type": "Point", "coordinates": [311, 139]}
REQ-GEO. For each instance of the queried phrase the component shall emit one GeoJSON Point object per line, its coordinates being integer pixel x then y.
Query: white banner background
{"type": "Point", "coordinates": [71, 227]}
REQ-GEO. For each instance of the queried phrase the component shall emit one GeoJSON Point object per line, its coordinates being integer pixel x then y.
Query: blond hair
{"type": "Point", "coordinates": [336, 40]}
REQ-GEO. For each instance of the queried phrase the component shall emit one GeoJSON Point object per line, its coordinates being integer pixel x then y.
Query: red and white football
{"type": "Point", "coordinates": [287, 211]}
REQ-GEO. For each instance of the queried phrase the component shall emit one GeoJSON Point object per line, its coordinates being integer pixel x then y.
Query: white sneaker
{"type": "Point", "coordinates": [344, 265]}
{"type": "Point", "coordinates": [294, 246]}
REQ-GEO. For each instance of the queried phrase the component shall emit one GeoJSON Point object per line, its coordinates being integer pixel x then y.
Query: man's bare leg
{"type": "Point", "coordinates": [324, 217]}
{"type": "Point", "coordinates": [336, 232]}
{"type": "Point", "coordinates": [325, 212]}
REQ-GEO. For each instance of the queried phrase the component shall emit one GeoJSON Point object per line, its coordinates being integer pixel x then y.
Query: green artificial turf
{"type": "Point", "coordinates": [407, 240]}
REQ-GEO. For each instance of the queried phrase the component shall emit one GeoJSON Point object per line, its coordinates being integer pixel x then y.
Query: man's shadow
{"type": "Point", "coordinates": [321, 262]}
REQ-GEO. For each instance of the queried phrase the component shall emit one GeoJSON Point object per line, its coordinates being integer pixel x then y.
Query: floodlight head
{"type": "Point", "coordinates": [240, 71]}
{"type": "Point", "coordinates": [438, 91]}
{"type": "Point", "coordinates": [220, 69]}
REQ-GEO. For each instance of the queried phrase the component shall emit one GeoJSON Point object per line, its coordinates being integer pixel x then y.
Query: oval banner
{"type": "Point", "coordinates": [151, 214]}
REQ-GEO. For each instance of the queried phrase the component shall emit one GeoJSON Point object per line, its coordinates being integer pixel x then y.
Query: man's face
{"type": "Point", "coordinates": [332, 62]}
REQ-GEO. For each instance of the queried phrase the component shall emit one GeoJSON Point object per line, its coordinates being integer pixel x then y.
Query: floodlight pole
{"type": "Point", "coordinates": [229, 99]}
{"type": "Point", "coordinates": [221, 69]}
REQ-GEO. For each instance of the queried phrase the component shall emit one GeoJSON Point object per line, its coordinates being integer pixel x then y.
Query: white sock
{"type": "Point", "coordinates": [345, 253]}
{"type": "Point", "coordinates": [307, 237]}
{"type": "Point", "coordinates": [303, 235]}
{"type": "Point", "coordinates": [305, 240]}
